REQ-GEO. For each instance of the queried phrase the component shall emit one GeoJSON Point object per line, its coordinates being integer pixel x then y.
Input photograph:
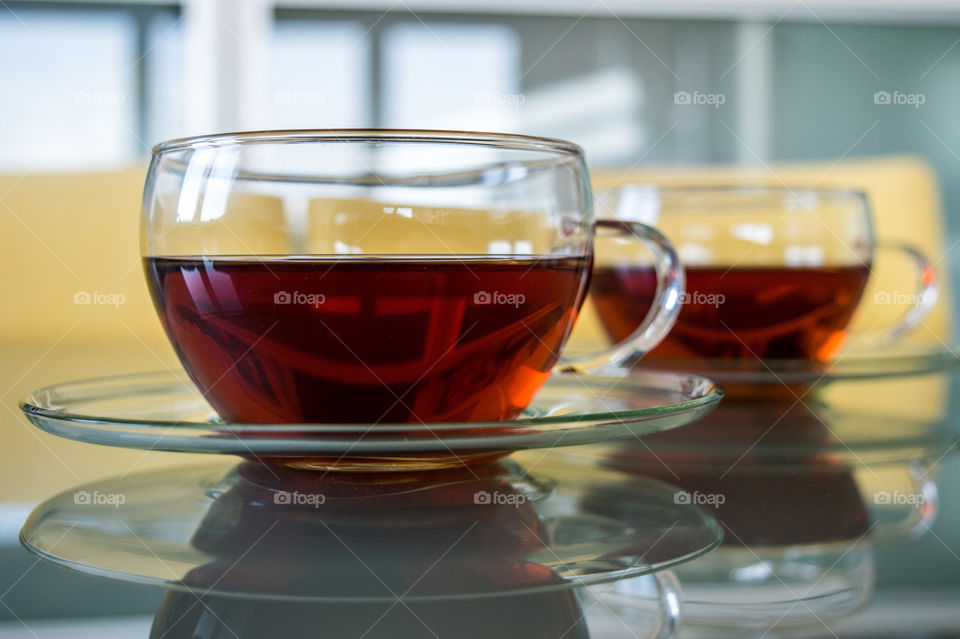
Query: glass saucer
{"type": "Point", "coordinates": [855, 365]}
{"type": "Point", "coordinates": [264, 531]}
{"type": "Point", "coordinates": [165, 411]}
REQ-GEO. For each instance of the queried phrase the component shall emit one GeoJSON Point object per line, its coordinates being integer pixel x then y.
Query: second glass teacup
{"type": "Point", "coordinates": [773, 273]}
{"type": "Point", "coordinates": [378, 276]}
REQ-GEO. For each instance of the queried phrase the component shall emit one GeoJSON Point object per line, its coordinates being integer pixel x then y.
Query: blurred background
{"type": "Point", "coordinates": [803, 91]}
{"type": "Point", "coordinates": [95, 84]}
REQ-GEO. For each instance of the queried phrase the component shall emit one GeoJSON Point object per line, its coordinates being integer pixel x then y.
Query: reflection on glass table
{"type": "Point", "coordinates": [469, 548]}
{"type": "Point", "coordinates": [804, 493]}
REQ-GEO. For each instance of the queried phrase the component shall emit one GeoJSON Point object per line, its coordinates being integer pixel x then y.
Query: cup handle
{"type": "Point", "coordinates": [925, 298]}
{"type": "Point", "coordinates": [671, 602]}
{"type": "Point", "coordinates": [663, 312]}
{"type": "Point", "coordinates": [655, 602]}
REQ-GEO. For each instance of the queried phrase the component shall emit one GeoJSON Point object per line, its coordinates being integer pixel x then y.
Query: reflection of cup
{"type": "Point", "coordinates": [805, 492]}
{"type": "Point", "coordinates": [549, 615]}
{"type": "Point", "coordinates": [797, 530]}
{"type": "Point", "coordinates": [761, 498]}
{"type": "Point", "coordinates": [298, 531]}
{"type": "Point", "coordinates": [377, 276]}
{"type": "Point", "coordinates": [374, 538]}
{"type": "Point", "coordinates": [772, 273]}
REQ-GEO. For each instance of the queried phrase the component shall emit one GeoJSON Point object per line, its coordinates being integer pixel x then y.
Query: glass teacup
{"type": "Point", "coordinates": [773, 273]}
{"type": "Point", "coordinates": [356, 276]}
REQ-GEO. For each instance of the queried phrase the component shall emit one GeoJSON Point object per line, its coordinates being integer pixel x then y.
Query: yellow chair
{"type": "Point", "coordinates": [75, 304]}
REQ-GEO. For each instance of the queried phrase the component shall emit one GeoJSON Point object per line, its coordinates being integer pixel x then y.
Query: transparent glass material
{"type": "Point", "coordinates": [368, 276]}
{"type": "Point", "coordinates": [544, 615]}
{"type": "Point", "coordinates": [762, 591]}
{"type": "Point", "coordinates": [775, 276]}
{"type": "Point", "coordinates": [164, 411]}
{"type": "Point", "coordinates": [802, 494]}
{"type": "Point", "coordinates": [743, 379]}
{"type": "Point", "coordinates": [252, 530]}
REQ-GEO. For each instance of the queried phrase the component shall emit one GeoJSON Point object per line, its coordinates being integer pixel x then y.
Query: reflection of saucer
{"type": "Point", "coordinates": [760, 592]}
{"type": "Point", "coordinates": [801, 492]}
{"type": "Point", "coordinates": [852, 469]}
{"type": "Point", "coordinates": [160, 411]}
{"type": "Point", "coordinates": [275, 532]}
{"type": "Point", "coordinates": [796, 536]}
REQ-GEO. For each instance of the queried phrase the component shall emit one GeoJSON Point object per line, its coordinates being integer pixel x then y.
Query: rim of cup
{"type": "Point", "coordinates": [429, 136]}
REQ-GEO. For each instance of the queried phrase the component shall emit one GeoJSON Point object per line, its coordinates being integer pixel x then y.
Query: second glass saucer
{"type": "Point", "coordinates": [752, 377]}
{"type": "Point", "coordinates": [255, 530]}
{"type": "Point", "coordinates": [164, 411]}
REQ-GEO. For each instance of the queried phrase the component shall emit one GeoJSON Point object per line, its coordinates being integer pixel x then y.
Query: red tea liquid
{"type": "Point", "coordinates": [368, 340]}
{"type": "Point", "coordinates": [741, 313]}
